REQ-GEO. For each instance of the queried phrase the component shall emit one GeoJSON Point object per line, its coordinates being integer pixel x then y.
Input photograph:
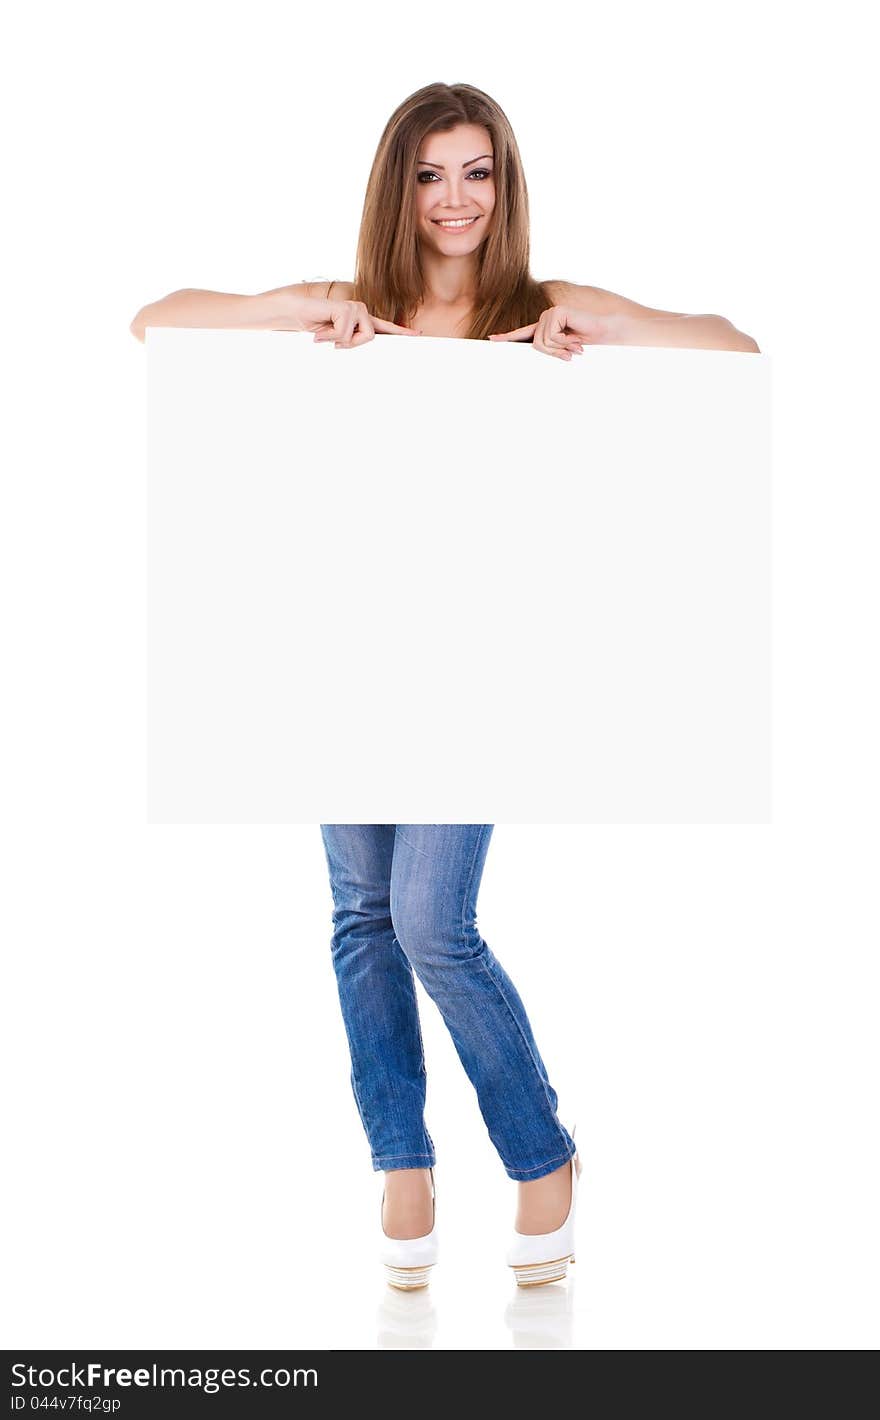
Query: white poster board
{"type": "Point", "coordinates": [447, 580]}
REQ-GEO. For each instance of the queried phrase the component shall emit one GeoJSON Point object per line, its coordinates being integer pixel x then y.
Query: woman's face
{"type": "Point", "coordinates": [454, 180]}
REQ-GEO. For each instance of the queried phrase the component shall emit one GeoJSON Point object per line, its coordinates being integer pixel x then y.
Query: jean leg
{"type": "Point", "coordinates": [377, 996]}
{"type": "Point", "coordinates": [435, 881]}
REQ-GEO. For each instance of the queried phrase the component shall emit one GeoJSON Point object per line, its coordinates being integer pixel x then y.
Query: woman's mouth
{"type": "Point", "coordinates": [457, 224]}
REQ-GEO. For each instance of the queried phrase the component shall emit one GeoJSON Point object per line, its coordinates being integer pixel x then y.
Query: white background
{"type": "Point", "coordinates": [183, 1142]}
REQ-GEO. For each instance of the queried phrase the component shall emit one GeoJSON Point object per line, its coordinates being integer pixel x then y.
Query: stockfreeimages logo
{"type": "Point", "coordinates": [96, 1376]}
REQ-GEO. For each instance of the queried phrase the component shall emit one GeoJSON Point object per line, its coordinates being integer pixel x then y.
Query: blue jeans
{"type": "Point", "coordinates": [405, 899]}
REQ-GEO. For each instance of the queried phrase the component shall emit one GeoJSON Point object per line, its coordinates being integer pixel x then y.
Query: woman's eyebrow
{"type": "Point", "coordinates": [464, 165]}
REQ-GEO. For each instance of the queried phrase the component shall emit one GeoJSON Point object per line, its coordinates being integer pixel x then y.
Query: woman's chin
{"type": "Point", "coordinates": [455, 246]}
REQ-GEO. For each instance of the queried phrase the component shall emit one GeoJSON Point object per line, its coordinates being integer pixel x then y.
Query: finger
{"type": "Point", "coordinates": [339, 328]}
{"type": "Point", "coordinates": [558, 352]}
{"type": "Point", "coordinates": [362, 330]}
{"type": "Point", "coordinates": [522, 333]}
{"type": "Point", "coordinates": [347, 332]}
{"type": "Point", "coordinates": [554, 330]}
{"type": "Point", "coordinates": [562, 344]}
{"type": "Point", "coordinates": [544, 342]}
{"type": "Point", "coordinates": [387, 327]}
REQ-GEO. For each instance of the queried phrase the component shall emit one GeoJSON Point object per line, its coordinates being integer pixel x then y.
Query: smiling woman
{"type": "Point", "coordinates": [451, 255]}
{"type": "Point", "coordinates": [443, 249]}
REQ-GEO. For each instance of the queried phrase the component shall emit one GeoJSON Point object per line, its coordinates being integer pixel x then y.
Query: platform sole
{"type": "Point", "coordinates": [538, 1274]}
{"type": "Point", "coordinates": [408, 1279]}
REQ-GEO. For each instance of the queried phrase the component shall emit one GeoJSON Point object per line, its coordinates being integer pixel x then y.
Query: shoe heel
{"type": "Point", "coordinates": [537, 1274]}
{"type": "Point", "coordinates": [407, 1279]}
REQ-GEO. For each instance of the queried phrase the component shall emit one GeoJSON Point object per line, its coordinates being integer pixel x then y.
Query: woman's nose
{"type": "Point", "coordinates": [456, 195]}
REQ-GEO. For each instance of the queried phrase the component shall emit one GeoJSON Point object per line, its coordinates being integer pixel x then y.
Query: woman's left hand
{"type": "Point", "coordinates": [563, 331]}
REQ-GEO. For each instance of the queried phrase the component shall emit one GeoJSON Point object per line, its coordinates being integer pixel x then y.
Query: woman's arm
{"type": "Point", "coordinates": [689, 332]}
{"type": "Point", "coordinates": [281, 309]}
{"type": "Point", "coordinates": [628, 323]}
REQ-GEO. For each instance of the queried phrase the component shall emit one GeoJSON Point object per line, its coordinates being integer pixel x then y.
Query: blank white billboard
{"type": "Point", "coordinates": [435, 579]}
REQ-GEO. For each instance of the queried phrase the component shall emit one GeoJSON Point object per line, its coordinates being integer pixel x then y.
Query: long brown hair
{"type": "Point", "coordinates": [388, 275]}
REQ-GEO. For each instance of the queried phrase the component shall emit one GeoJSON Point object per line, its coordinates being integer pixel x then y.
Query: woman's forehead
{"type": "Point", "coordinates": [456, 144]}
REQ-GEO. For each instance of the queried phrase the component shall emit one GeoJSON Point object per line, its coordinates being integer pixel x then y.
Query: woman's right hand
{"type": "Point", "coordinates": [346, 323]}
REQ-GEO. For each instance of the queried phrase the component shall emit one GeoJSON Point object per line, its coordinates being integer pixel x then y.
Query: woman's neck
{"type": "Point", "coordinates": [450, 281]}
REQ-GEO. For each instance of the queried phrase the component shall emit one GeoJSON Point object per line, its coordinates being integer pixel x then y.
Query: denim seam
{"type": "Point", "coordinates": [500, 990]}
{"type": "Point", "coordinates": [557, 1158]}
{"type": "Point", "coordinates": [404, 839]}
{"type": "Point", "coordinates": [531, 1057]}
{"type": "Point", "coordinates": [467, 892]}
{"type": "Point", "coordinates": [415, 1002]}
{"type": "Point", "coordinates": [389, 1158]}
{"type": "Point", "coordinates": [354, 1085]}
{"type": "Point", "coordinates": [378, 1158]}
{"type": "Point", "coordinates": [421, 1041]}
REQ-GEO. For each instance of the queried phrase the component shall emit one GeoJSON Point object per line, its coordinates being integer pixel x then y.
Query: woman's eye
{"type": "Point", "coordinates": [481, 173]}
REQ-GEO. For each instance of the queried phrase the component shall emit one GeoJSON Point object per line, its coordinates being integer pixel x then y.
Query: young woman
{"type": "Point", "coordinates": [404, 902]}
{"type": "Point", "coordinates": [444, 250]}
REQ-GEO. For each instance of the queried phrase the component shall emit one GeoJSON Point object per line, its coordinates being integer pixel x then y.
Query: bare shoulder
{"type": "Point", "coordinates": [557, 291]}
{"type": "Point", "coordinates": [600, 302]}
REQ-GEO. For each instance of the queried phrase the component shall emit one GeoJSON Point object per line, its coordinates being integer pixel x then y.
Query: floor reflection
{"type": "Point", "coordinates": [407, 1321]}
{"type": "Point", "coordinates": [537, 1318]}
{"type": "Point", "coordinates": [542, 1318]}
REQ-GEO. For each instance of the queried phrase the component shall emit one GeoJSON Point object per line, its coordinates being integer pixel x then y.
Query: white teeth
{"type": "Point", "coordinates": [461, 222]}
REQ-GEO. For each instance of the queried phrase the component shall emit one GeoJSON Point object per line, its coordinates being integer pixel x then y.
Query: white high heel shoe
{"type": "Point", "coordinates": [537, 1258]}
{"type": "Point", "coordinates": [408, 1261]}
